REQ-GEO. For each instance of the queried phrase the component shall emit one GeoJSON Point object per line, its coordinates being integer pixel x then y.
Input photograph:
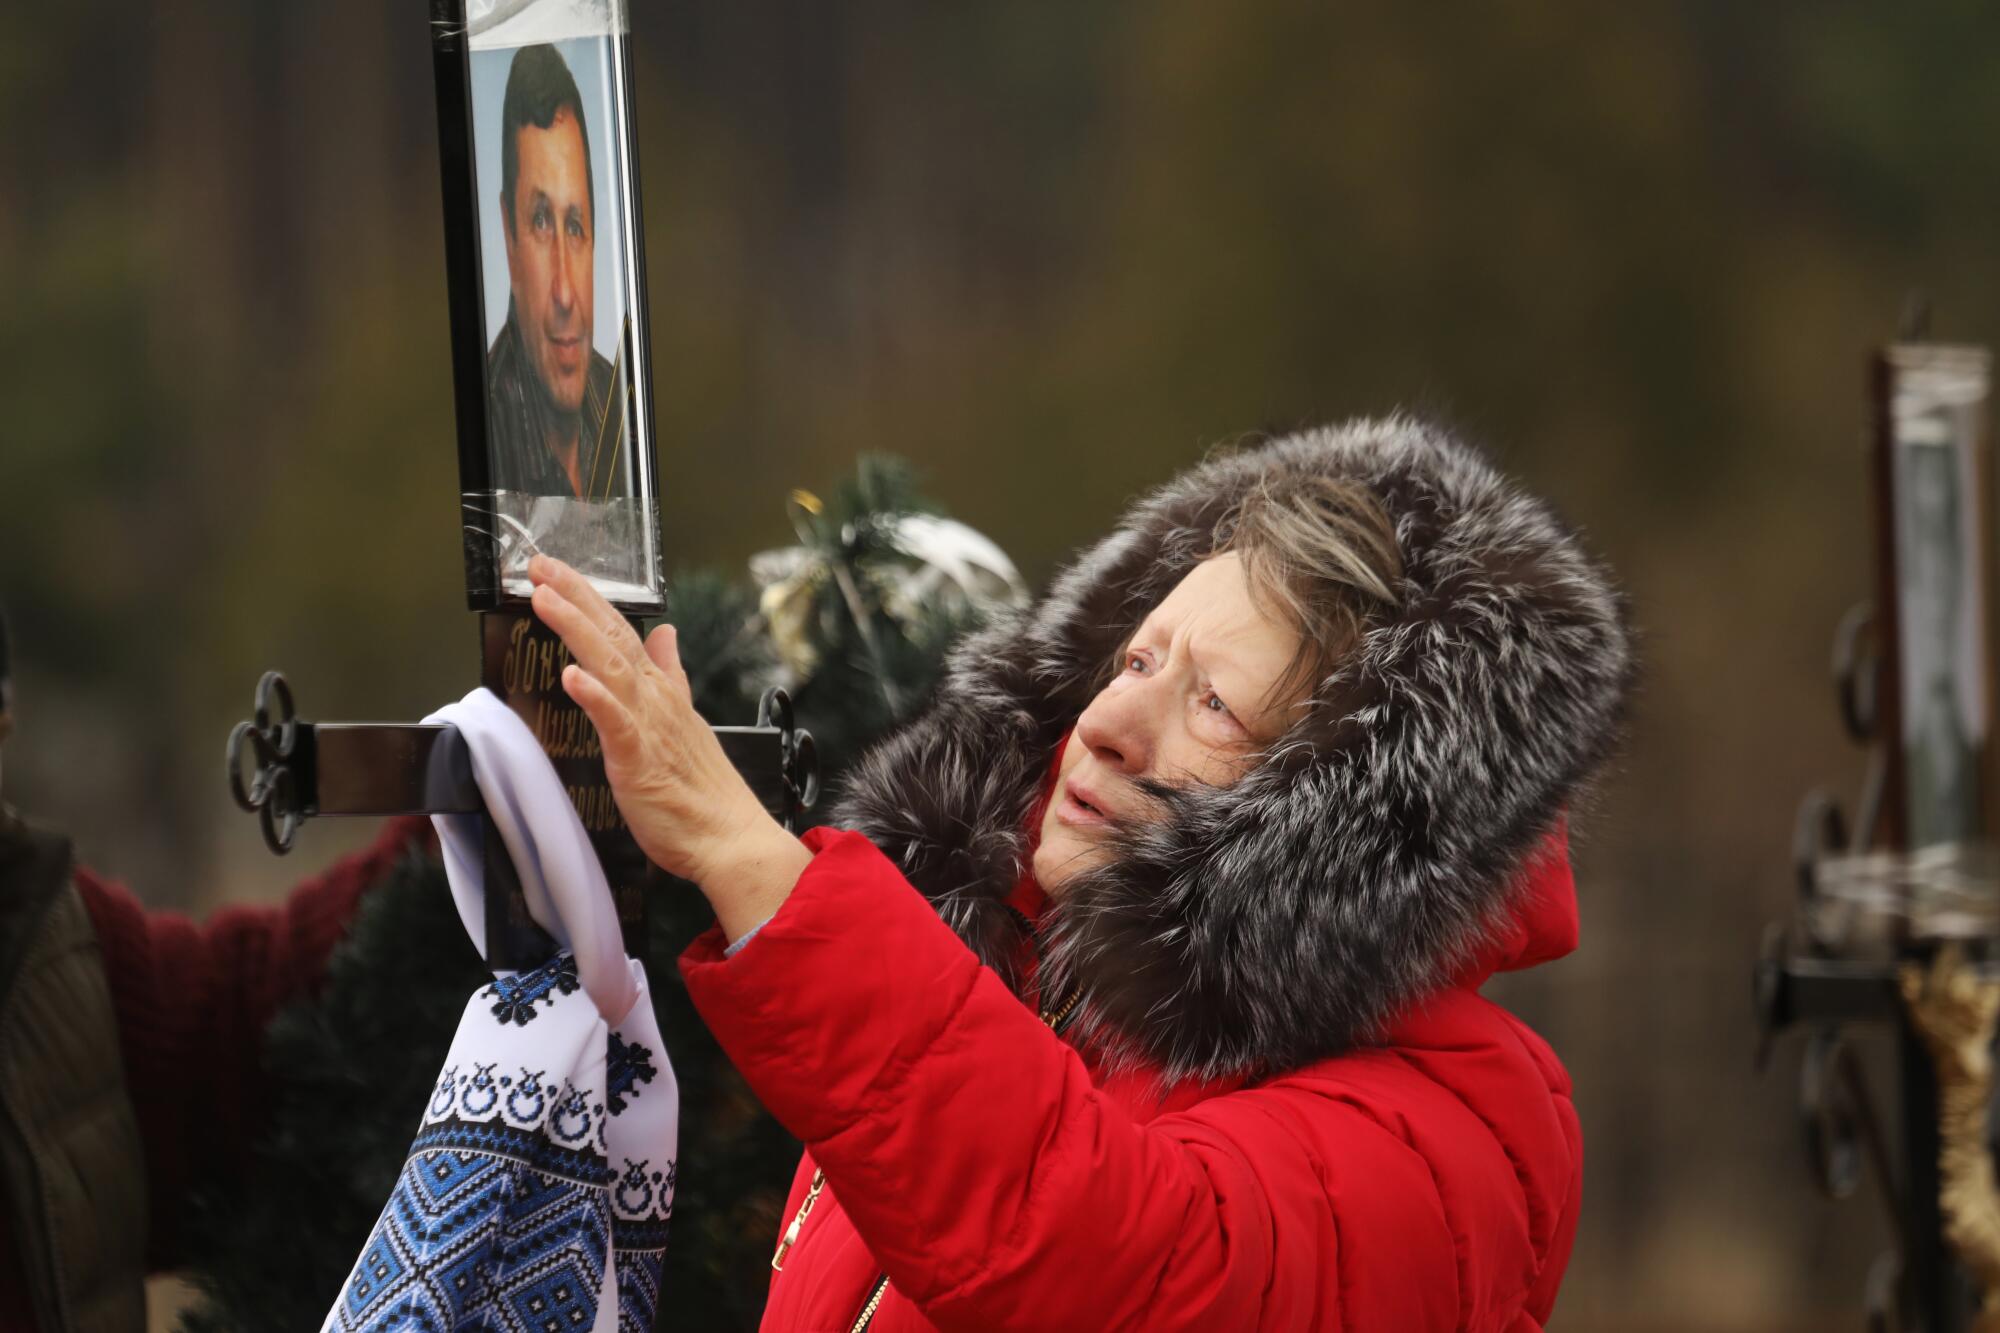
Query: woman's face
{"type": "Point", "coordinates": [1194, 701]}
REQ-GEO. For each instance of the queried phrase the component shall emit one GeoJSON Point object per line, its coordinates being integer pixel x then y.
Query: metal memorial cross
{"type": "Point", "coordinates": [1897, 922]}
{"type": "Point", "coordinates": [553, 394]}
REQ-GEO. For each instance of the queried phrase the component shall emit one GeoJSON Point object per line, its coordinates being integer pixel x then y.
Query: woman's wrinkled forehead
{"type": "Point", "coordinates": [1230, 639]}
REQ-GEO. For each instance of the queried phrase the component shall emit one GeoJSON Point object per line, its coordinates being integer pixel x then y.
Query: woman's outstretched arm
{"type": "Point", "coordinates": [999, 1189]}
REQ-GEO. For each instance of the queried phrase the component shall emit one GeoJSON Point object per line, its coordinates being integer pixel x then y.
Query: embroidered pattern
{"type": "Point", "coordinates": [515, 997]}
{"type": "Point", "coordinates": [511, 1201]}
{"type": "Point", "coordinates": [628, 1065]}
{"type": "Point", "coordinates": [473, 1240]}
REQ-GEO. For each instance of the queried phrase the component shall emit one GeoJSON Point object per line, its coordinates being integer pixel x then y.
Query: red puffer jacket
{"type": "Point", "coordinates": [1349, 1137]}
{"type": "Point", "coordinates": [998, 1181]}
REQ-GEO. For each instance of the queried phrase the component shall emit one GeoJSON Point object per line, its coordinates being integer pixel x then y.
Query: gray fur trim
{"type": "Point", "coordinates": [1289, 916]}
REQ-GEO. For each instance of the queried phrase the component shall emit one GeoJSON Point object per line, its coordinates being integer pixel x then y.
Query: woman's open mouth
{"type": "Point", "coordinates": [1075, 809]}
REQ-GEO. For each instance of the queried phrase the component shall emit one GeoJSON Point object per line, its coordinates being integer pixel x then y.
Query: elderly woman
{"type": "Point", "coordinates": [1141, 991]}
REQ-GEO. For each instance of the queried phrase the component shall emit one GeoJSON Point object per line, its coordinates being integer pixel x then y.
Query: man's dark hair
{"type": "Point", "coordinates": [538, 86]}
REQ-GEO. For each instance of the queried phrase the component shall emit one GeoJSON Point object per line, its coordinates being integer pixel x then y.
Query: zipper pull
{"type": "Point", "coordinates": [791, 1236]}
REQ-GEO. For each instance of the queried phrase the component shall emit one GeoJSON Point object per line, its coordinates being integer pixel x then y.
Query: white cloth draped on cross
{"type": "Point", "coordinates": [537, 1191]}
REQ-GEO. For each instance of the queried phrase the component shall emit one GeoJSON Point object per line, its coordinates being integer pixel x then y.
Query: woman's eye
{"type": "Point", "coordinates": [1134, 662]}
{"type": "Point", "coordinates": [1213, 703]}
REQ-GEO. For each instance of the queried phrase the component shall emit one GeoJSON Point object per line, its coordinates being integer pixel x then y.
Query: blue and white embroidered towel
{"type": "Point", "coordinates": [537, 1192]}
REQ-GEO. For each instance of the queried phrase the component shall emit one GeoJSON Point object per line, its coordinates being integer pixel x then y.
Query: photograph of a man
{"type": "Point", "coordinates": [1942, 729]}
{"type": "Point", "coordinates": [555, 406]}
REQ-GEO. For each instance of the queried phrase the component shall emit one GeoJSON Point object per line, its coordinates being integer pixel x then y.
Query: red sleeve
{"type": "Point", "coordinates": [996, 1185]}
{"type": "Point", "coordinates": [192, 1003]}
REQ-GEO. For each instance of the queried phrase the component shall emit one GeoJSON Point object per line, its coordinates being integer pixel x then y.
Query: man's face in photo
{"type": "Point", "coordinates": [550, 255]}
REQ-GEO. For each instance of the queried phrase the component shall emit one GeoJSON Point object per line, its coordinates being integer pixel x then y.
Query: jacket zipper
{"type": "Point", "coordinates": [868, 1310]}
{"type": "Point", "coordinates": [791, 1236]}
{"type": "Point", "coordinates": [1055, 1018]}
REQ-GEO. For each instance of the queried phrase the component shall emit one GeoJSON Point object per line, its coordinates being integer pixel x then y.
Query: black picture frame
{"type": "Point", "coordinates": [551, 367]}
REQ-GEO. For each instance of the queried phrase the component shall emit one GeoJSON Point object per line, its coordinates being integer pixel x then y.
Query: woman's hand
{"type": "Point", "coordinates": [688, 807]}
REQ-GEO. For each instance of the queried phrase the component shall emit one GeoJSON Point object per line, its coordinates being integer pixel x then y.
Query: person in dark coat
{"type": "Point", "coordinates": [1139, 987]}
{"type": "Point", "coordinates": [129, 1060]}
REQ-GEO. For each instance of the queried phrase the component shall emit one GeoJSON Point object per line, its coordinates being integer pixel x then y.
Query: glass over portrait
{"type": "Point", "coordinates": [1940, 596]}
{"type": "Point", "coordinates": [563, 463]}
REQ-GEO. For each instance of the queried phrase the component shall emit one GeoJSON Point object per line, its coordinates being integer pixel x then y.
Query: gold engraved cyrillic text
{"type": "Point", "coordinates": [565, 731]}
{"type": "Point", "coordinates": [533, 665]}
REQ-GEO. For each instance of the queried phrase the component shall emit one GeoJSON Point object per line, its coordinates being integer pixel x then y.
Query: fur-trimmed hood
{"type": "Point", "coordinates": [1291, 915]}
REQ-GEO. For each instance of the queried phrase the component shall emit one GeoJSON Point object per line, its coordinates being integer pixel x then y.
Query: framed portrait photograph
{"type": "Point", "coordinates": [1934, 438]}
{"type": "Point", "coordinates": [547, 288]}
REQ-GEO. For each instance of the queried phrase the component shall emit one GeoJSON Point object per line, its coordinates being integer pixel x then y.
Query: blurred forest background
{"type": "Point", "coordinates": [1050, 253]}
